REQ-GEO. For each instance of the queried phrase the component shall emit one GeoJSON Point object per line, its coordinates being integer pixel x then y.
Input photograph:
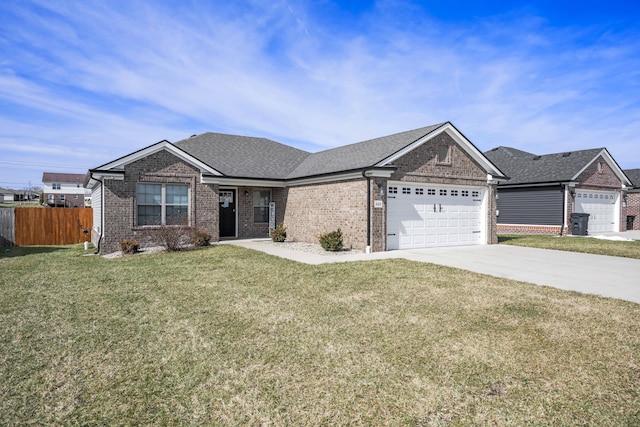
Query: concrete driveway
{"type": "Point", "coordinates": [607, 276]}
{"type": "Point", "coordinates": [613, 277]}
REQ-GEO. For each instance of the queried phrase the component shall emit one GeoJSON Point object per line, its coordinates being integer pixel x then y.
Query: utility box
{"type": "Point", "coordinates": [579, 224]}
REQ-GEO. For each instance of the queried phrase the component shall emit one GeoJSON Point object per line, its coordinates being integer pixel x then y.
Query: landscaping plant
{"type": "Point", "coordinates": [279, 234]}
{"type": "Point", "coordinates": [129, 247]}
{"type": "Point", "coordinates": [331, 241]}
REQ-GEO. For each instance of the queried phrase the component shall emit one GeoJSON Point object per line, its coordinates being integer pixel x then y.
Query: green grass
{"type": "Point", "coordinates": [229, 336]}
{"type": "Point", "coordinates": [575, 244]}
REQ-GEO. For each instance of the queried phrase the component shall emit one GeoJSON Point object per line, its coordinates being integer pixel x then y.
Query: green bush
{"type": "Point", "coordinates": [331, 241]}
{"type": "Point", "coordinates": [129, 247]}
{"type": "Point", "coordinates": [279, 234]}
{"type": "Point", "coordinates": [201, 238]}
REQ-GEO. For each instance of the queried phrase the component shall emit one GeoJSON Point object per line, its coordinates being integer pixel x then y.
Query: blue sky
{"type": "Point", "coordinates": [85, 82]}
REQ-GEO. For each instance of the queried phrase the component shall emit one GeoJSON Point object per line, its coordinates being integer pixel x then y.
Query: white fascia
{"type": "Point", "coordinates": [371, 173]}
{"type": "Point", "coordinates": [241, 182]}
{"type": "Point", "coordinates": [249, 182]}
{"type": "Point", "coordinates": [120, 163]}
{"type": "Point", "coordinates": [97, 176]}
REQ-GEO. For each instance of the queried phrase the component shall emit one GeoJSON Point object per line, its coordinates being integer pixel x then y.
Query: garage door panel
{"type": "Point", "coordinates": [601, 207]}
{"type": "Point", "coordinates": [422, 215]}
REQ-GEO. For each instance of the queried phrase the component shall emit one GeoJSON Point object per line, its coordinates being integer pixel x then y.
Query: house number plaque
{"type": "Point", "coordinates": [272, 215]}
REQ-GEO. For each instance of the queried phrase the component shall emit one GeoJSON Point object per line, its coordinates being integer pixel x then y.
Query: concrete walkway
{"type": "Point", "coordinates": [613, 277]}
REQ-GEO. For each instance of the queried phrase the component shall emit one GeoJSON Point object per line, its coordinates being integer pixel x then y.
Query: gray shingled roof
{"type": "Point", "coordinates": [528, 168]}
{"type": "Point", "coordinates": [359, 155]}
{"type": "Point", "coordinates": [243, 156]}
{"type": "Point", "coordinates": [634, 176]}
{"type": "Point", "coordinates": [75, 178]}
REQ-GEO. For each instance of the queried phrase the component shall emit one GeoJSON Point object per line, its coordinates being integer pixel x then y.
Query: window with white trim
{"type": "Point", "coordinates": [431, 192]}
{"type": "Point", "coordinates": [162, 204]}
{"type": "Point", "coordinates": [443, 192]}
{"type": "Point", "coordinates": [406, 190]}
{"type": "Point", "coordinates": [393, 190]}
{"type": "Point", "coordinates": [454, 193]}
{"type": "Point", "coordinates": [465, 193]}
{"type": "Point", "coordinates": [419, 191]}
{"type": "Point", "coordinates": [261, 199]}
{"type": "Point", "coordinates": [56, 186]}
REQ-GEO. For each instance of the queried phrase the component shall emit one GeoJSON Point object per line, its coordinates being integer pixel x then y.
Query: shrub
{"type": "Point", "coordinates": [331, 241]}
{"type": "Point", "coordinates": [171, 237]}
{"type": "Point", "coordinates": [279, 234]}
{"type": "Point", "coordinates": [129, 247]}
{"type": "Point", "coordinates": [201, 238]}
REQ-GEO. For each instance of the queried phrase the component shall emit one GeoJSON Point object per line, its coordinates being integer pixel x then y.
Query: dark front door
{"type": "Point", "coordinates": [227, 213]}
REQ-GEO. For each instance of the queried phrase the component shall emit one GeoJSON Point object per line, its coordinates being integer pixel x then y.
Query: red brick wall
{"type": "Point", "coordinates": [552, 230]}
{"type": "Point", "coordinates": [632, 209]}
{"type": "Point", "coordinates": [316, 209]}
{"type": "Point", "coordinates": [120, 198]}
{"type": "Point", "coordinates": [247, 227]}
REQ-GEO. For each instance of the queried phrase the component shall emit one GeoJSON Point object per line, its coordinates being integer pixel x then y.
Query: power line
{"type": "Point", "coordinates": [42, 165]}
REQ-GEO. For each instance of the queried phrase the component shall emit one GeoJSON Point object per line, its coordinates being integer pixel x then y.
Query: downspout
{"type": "Point", "coordinates": [368, 248]}
{"type": "Point", "coordinates": [564, 209]}
{"type": "Point", "coordinates": [97, 251]}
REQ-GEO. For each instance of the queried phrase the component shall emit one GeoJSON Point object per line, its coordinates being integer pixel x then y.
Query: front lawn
{"type": "Point", "coordinates": [575, 244]}
{"type": "Point", "coordinates": [229, 336]}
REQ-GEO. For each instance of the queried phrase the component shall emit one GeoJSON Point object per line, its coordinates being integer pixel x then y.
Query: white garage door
{"type": "Point", "coordinates": [423, 215]}
{"type": "Point", "coordinates": [601, 207]}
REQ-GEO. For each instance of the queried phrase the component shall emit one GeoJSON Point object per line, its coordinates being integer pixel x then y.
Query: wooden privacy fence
{"type": "Point", "coordinates": [52, 226]}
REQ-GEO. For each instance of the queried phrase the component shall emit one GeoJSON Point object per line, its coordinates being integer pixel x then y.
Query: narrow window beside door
{"type": "Point", "coordinates": [261, 199]}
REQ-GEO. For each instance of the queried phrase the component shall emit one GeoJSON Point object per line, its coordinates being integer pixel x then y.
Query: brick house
{"type": "Point", "coordinates": [631, 201]}
{"type": "Point", "coordinates": [425, 187]}
{"type": "Point", "coordinates": [63, 189]}
{"type": "Point", "coordinates": [543, 191]}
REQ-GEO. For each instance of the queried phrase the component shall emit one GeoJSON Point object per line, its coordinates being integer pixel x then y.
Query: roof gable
{"type": "Point", "coordinates": [527, 168]}
{"type": "Point", "coordinates": [118, 164]}
{"type": "Point", "coordinates": [381, 152]}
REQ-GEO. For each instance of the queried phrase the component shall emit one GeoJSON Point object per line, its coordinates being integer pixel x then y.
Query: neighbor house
{"type": "Point", "coordinates": [7, 195]}
{"type": "Point", "coordinates": [63, 189]}
{"type": "Point", "coordinates": [631, 201]}
{"type": "Point", "coordinates": [425, 187]}
{"type": "Point", "coordinates": [543, 191]}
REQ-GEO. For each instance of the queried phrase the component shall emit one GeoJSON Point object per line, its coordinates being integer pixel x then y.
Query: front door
{"type": "Point", "coordinates": [227, 213]}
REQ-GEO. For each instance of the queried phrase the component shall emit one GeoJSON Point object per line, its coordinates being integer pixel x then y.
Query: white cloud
{"type": "Point", "coordinates": [111, 78]}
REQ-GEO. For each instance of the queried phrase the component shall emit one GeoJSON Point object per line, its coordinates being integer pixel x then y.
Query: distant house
{"type": "Point", "coordinates": [420, 188]}
{"type": "Point", "coordinates": [10, 196]}
{"type": "Point", "coordinates": [63, 189]}
{"type": "Point", "coordinates": [632, 200]}
{"type": "Point", "coordinates": [6, 195]}
{"type": "Point", "coordinates": [543, 191]}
